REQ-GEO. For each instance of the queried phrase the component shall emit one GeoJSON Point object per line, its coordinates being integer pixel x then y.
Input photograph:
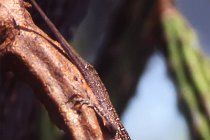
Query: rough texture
{"type": "Point", "coordinates": [40, 61]}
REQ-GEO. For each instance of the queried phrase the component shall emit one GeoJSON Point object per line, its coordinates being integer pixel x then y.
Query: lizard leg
{"type": "Point", "coordinates": [78, 100]}
{"type": "Point", "coordinates": [83, 101]}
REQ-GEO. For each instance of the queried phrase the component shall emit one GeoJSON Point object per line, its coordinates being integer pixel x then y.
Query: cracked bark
{"type": "Point", "coordinates": [40, 61]}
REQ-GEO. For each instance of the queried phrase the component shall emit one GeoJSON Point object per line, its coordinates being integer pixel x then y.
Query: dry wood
{"type": "Point", "coordinates": [40, 61]}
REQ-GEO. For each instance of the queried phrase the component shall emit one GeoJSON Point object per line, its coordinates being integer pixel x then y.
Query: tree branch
{"type": "Point", "coordinates": [40, 61]}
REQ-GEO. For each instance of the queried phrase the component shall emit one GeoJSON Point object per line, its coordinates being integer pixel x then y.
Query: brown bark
{"type": "Point", "coordinates": [40, 61]}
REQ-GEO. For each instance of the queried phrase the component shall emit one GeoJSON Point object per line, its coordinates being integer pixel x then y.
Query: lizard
{"type": "Point", "coordinates": [104, 107]}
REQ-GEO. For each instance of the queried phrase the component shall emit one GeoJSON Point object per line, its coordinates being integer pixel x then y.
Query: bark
{"type": "Point", "coordinates": [41, 62]}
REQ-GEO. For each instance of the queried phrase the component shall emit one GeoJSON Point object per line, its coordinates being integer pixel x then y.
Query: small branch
{"type": "Point", "coordinates": [188, 66]}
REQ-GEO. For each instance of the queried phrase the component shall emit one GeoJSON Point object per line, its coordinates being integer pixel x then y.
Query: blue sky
{"type": "Point", "coordinates": [152, 114]}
